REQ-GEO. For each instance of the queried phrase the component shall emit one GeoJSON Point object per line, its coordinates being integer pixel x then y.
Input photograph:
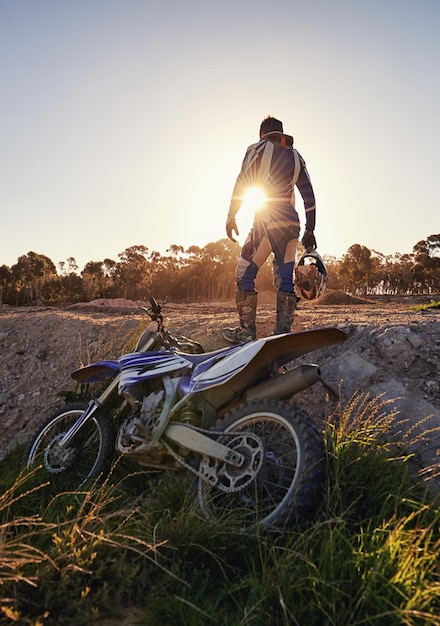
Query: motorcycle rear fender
{"type": "Point", "coordinates": [256, 361]}
{"type": "Point", "coordinates": [256, 358]}
{"type": "Point", "coordinates": [96, 372]}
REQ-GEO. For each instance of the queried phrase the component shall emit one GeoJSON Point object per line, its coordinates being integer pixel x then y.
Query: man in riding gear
{"type": "Point", "coordinates": [274, 165]}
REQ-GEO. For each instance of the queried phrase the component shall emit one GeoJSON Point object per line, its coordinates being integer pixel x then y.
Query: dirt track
{"type": "Point", "coordinates": [40, 347]}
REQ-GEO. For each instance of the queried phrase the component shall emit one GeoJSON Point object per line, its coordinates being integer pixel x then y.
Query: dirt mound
{"type": "Point", "coordinates": [334, 296]}
{"type": "Point", "coordinates": [109, 303]}
{"type": "Point", "coordinates": [391, 347]}
{"type": "Point", "coordinates": [331, 296]}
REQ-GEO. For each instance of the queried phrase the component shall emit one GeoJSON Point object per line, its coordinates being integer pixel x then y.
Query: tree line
{"type": "Point", "coordinates": [208, 273]}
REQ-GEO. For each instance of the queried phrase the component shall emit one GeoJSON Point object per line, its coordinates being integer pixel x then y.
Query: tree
{"type": "Point", "coordinates": [30, 273]}
{"type": "Point", "coordinates": [68, 267]}
{"type": "Point", "coordinates": [219, 261]}
{"type": "Point", "coordinates": [5, 282]}
{"type": "Point", "coordinates": [109, 268]}
{"type": "Point", "coordinates": [93, 280]}
{"type": "Point", "coordinates": [72, 288]}
{"type": "Point", "coordinates": [426, 269]}
{"type": "Point", "coordinates": [355, 269]}
{"type": "Point", "coordinates": [428, 247]}
{"type": "Point", "coordinates": [208, 273]}
{"type": "Point", "coordinates": [132, 274]}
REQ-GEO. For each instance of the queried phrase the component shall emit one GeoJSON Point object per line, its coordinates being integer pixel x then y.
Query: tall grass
{"type": "Point", "coordinates": [370, 555]}
{"type": "Point", "coordinates": [431, 306]}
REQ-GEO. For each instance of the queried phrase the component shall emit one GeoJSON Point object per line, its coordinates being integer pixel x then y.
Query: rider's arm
{"type": "Point", "coordinates": [239, 188]}
{"type": "Point", "coordinates": [305, 188]}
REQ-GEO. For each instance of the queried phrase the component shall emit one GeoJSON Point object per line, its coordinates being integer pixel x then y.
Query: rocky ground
{"type": "Point", "coordinates": [391, 349]}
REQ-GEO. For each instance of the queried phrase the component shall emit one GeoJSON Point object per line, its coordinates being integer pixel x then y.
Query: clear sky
{"type": "Point", "coordinates": [125, 122]}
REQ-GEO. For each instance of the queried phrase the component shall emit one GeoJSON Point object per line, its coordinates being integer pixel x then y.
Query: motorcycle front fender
{"type": "Point", "coordinates": [96, 372]}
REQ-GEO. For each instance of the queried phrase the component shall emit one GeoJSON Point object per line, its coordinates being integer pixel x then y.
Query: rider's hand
{"type": "Point", "coordinates": [308, 240]}
{"type": "Point", "coordinates": [231, 227]}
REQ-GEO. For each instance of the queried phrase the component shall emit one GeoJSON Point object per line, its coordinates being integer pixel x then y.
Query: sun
{"type": "Point", "coordinates": [254, 199]}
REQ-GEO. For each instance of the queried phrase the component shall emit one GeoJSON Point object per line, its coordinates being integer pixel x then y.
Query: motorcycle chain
{"type": "Point", "coordinates": [191, 469]}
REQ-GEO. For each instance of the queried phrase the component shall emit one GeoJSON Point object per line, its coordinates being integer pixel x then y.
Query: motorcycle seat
{"type": "Point", "coordinates": [195, 359]}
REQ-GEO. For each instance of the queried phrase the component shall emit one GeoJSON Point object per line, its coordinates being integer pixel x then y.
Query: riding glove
{"type": "Point", "coordinates": [231, 227]}
{"type": "Point", "coordinates": [308, 240]}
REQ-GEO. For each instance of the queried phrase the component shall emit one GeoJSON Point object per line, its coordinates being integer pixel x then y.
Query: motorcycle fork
{"type": "Point", "coordinates": [94, 405]}
{"type": "Point", "coordinates": [146, 342]}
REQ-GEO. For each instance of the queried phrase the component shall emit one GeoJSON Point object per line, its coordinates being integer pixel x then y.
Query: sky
{"type": "Point", "coordinates": [125, 122]}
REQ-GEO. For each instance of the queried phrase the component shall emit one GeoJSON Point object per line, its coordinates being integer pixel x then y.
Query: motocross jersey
{"type": "Point", "coordinates": [276, 166]}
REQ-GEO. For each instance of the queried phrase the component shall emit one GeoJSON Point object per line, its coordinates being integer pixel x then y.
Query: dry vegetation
{"type": "Point", "coordinates": [41, 346]}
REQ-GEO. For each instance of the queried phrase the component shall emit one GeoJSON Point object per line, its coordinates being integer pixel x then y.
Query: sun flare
{"type": "Point", "coordinates": [254, 199]}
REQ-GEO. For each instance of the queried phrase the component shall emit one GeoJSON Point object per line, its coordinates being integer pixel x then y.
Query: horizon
{"type": "Point", "coordinates": [81, 265]}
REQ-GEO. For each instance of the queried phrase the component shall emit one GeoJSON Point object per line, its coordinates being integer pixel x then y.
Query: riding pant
{"type": "Point", "coordinates": [279, 237]}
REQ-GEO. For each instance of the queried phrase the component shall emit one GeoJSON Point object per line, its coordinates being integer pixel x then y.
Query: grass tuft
{"type": "Point", "coordinates": [431, 306]}
{"type": "Point", "coordinates": [370, 556]}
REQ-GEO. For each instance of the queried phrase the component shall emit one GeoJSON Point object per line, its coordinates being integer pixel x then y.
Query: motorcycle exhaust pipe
{"type": "Point", "coordinates": [285, 385]}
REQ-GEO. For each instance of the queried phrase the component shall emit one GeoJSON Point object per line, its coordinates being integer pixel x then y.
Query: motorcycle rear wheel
{"type": "Point", "coordinates": [87, 457]}
{"type": "Point", "coordinates": [282, 476]}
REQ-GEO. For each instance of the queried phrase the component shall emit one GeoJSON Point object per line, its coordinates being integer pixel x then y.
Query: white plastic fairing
{"type": "Point", "coordinates": [225, 369]}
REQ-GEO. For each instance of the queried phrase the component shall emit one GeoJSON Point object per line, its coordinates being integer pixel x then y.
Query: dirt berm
{"type": "Point", "coordinates": [392, 349]}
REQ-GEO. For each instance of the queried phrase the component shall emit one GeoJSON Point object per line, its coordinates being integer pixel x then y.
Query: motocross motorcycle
{"type": "Point", "coordinates": [225, 417]}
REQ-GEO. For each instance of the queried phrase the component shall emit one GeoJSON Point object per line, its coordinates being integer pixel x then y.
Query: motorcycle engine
{"type": "Point", "coordinates": [136, 429]}
{"type": "Point", "coordinates": [134, 437]}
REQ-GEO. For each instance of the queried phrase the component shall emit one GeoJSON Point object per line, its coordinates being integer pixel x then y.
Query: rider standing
{"type": "Point", "coordinates": [274, 165]}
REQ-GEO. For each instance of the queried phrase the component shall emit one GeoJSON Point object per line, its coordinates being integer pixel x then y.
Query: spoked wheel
{"type": "Point", "coordinates": [282, 471]}
{"type": "Point", "coordinates": [86, 457]}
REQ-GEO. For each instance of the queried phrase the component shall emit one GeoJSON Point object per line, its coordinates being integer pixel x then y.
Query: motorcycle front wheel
{"type": "Point", "coordinates": [88, 455]}
{"type": "Point", "coordinates": [282, 474]}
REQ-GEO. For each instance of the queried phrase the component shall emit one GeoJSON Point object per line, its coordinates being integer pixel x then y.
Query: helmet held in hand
{"type": "Point", "coordinates": [311, 276]}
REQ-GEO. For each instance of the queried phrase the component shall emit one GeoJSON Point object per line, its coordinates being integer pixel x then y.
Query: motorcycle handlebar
{"type": "Point", "coordinates": [156, 308]}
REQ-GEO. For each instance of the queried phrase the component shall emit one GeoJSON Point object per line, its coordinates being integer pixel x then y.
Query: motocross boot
{"type": "Point", "coordinates": [247, 312]}
{"type": "Point", "coordinates": [286, 304]}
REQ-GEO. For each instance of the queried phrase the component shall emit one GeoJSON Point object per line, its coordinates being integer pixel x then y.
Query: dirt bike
{"type": "Point", "coordinates": [224, 416]}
